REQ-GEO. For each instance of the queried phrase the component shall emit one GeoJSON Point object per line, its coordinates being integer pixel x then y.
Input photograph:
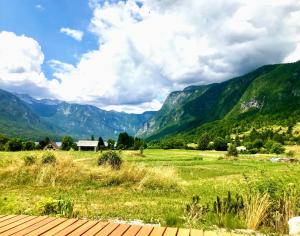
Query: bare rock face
{"type": "Point", "coordinates": [294, 225]}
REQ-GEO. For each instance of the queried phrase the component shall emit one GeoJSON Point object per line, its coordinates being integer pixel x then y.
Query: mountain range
{"type": "Point", "coordinates": [24, 116]}
{"type": "Point", "coordinates": [269, 94]}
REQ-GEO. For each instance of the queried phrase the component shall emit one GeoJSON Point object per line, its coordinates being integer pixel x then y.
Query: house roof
{"type": "Point", "coordinates": [87, 143]}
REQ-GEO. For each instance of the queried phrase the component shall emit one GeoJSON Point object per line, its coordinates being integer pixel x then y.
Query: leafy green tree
{"type": "Point", "coordinates": [138, 143]}
{"type": "Point", "coordinates": [67, 143]}
{"type": "Point", "coordinates": [220, 144]}
{"type": "Point", "coordinates": [13, 145]}
{"type": "Point", "coordinates": [232, 151]}
{"type": "Point", "coordinates": [3, 141]}
{"type": "Point", "coordinates": [92, 137]}
{"type": "Point", "coordinates": [125, 140]}
{"type": "Point", "coordinates": [111, 144]}
{"type": "Point", "coordinates": [28, 146]}
{"type": "Point", "coordinates": [203, 141]}
{"type": "Point", "coordinates": [44, 143]}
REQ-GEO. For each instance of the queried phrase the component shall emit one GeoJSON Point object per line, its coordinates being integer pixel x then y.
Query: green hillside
{"type": "Point", "coordinates": [268, 95]}
{"type": "Point", "coordinates": [18, 120]}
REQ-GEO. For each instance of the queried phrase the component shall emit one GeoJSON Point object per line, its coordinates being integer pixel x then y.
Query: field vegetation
{"type": "Point", "coordinates": [187, 188]}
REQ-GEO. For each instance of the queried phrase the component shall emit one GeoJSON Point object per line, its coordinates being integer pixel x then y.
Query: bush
{"type": "Point", "coordinates": [29, 160]}
{"type": "Point", "coordinates": [14, 145]}
{"type": "Point", "coordinates": [48, 158]}
{"type": "Point", "coordinates": [110, 158]}
{"type": "Point", "coordinates": [232, 151]}
{"type": "Point", "coordinates": [28, 146]}
{"type": "Point", "coordinates": [220, 144]}
{"type": "Point", "coordinates": [60, 207]}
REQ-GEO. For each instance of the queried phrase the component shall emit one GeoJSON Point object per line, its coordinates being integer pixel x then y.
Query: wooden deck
{"type": "Point", "coordinates": [18, 225]}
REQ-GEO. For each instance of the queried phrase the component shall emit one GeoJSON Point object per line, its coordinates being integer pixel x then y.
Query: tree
{"type": "Point", "coordinates": [125, 140]}
{"type": "Point", "coordinates": [101, 144]}
{"type": "Point", "coordinates": [111, 144]}
{"type": "Point", "coordinates": [67, 143]}
{"type": "Point", "coordinates": [44, 143]}
{"type": "Point", "coordinates": [203, 141]}
{"type": "Point", "coordinates": [232, 151]}
{"type": "Point", "coordinates": [92, 137]}
{"type": "Point", "coordinates": [138, 143]}
{"type": "Point", "coordinates": [220, 144]}
{"type": "Point", "coordinates": [3, 141]}
{"type": "Point", "coordinates": [28, 146]}
{"type": "Point", "coordinates": [13, 145]}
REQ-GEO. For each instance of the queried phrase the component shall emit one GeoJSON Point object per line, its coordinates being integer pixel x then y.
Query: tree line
{"type": "Point", "coordinates": [124, 141]}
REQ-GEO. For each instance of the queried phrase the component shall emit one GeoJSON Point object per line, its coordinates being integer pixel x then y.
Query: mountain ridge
{"type": "Point", "coordinates": [254, 92]}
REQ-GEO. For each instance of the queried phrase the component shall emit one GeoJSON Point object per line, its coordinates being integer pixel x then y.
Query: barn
{"type": "Point", "coordinates": [87, 145]}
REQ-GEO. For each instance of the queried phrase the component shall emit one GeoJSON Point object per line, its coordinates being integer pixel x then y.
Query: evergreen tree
{"type": "Point", "coordinates": [124, 140]}
{"type": "Point", "coordinates": [203, 142]}
{"type": "Point", "coordinates": [101, 144]}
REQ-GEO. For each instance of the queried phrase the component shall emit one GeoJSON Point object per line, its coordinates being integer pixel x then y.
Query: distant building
{"type": "Point", "coordinates": [87, 145]}
{"type": "Point", "coordinates": [241, 149]}
{"type": "Point", "coordinates": [51, 146]}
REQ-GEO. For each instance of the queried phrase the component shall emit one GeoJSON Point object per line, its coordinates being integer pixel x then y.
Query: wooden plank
{"type": "Point", "coordinates": [92, 231]}
{"type": "Point", "coordinates": [6, 218]}
{"type": "Point", "coordinates": [82, 229]}
{"type": "Point", "coordinates": [133, 230]}
{"type": "Point", "coordinates": [158, 231]}
{"type": "Point", "coordinates": [72, 227]}
{"type": "Point", "coordinates": [196, 232]}
{"type": "Point", "coordinates": [35, 226]}
{"type": "Point", "coordinates": [183, 232]}
{"type": "Point", "coordinates": [47, 227]}
{"type": "Point", "coordinates": [11, 220]}
{"type": "Point", "coordinates": [23, 226]}
{"type": "Point", "coordinates": [16, 223]}
{"type": "Point", "coordinates": [120, 230]}
{"type": "Point", "coordinates": [60, 227]}
{"type": "Point", "coordinates": [145, 231]}
{"type": "Point", "coordinates": [170, 231]}
{"type": "Point", "coordinates": [210, 233]}
{"type": "Point", "coordinates": [107, 229]}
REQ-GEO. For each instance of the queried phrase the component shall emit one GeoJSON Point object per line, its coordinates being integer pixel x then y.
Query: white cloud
{"type": "Point", "coordinates": [75, 34]}
{"type": "Point", "coordinates": [20, 68]}
{"type": "Point", "coordinates": [148, 50]}
{"type": "Point", "coordinates": [40, 7]}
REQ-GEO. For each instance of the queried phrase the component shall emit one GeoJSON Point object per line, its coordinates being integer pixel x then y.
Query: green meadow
{"type": "Point", "coordinates": [154, 187]}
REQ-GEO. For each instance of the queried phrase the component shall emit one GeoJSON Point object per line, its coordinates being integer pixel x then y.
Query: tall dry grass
{"type": "Point", "coordinates": [256, 210]}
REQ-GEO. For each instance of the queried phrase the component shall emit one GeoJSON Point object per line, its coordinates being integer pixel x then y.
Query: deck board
{"type": "Point", "coordinates": [14, 230]}
{"type": "Point", "coordinates": [158, 231]}
{"type": "Point", "coordinates": [19, 225]}
{"type": "Point", "coordinates": [16, 223]}
{"type": "Point", "coordinates": [133, 230]}
{"type": "Point", "coordinates": [107, 229]}
{"type": "Point", "coordinates": [72, 227]}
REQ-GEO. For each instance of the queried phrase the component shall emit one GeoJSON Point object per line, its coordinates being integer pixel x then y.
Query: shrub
{"type": "Point", "coordinates": [60, 207]}
{"type": "Point", "coordinates": [28, 146]}
{"type": "Point", "coordinates": [29, 160]}
{"type": "Point", "coordinates": [220, 144]}
{"type": "Point", "coordinates": [232, 151]}
{"type": "Point", "coordinates": [48, 158]}
{"type": "Point", "coordinates": [110, 158]}
{"type": "Point", "coordinates": [14, 145]}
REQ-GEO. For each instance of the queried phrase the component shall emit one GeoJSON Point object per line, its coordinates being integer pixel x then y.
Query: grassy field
{"type": "Point", "coordinates": [154, 188]}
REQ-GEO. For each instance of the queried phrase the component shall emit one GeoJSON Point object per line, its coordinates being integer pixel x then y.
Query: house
{"type": "Point", "coordinates": [241, 149]}
{"type": "Point", "coordinates": [87, 145]}
{"type": "Point", "coordinates": [51, 146]}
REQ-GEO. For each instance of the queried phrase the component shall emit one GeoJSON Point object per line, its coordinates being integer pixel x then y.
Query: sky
{"type": "Point", "coordinates": [129, 55]}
